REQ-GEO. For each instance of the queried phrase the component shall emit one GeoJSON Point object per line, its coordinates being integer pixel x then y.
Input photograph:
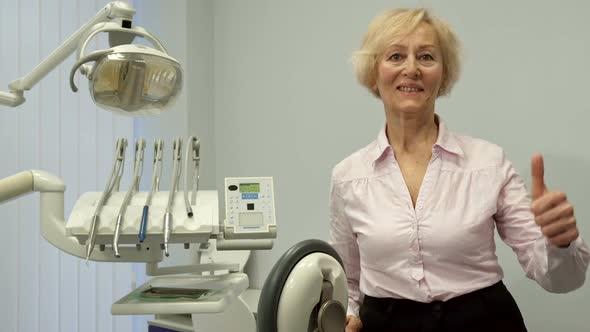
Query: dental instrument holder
{"type": "Point", "coordinates": [183, 230]}
{"type": "Point", "coordinates": [203, 226]}
{"type": "Point", "coordinates": [71, 238]}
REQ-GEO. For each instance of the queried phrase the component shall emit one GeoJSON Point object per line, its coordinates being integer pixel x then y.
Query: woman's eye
{"type": "Point", "coordinates": [395, 57]}
{"type": "Point", "coordinates": [426, 57]}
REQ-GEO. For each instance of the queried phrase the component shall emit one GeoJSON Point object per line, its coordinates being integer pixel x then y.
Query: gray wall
{"type": "Point", "coordinates": [286, 104]}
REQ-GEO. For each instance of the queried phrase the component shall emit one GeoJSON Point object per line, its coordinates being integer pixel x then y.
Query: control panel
{"type": "Point", "coordinates": [249, 208]}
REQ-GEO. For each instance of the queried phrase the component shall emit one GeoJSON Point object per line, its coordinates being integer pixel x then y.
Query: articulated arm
{"type": "Point", "coordinates": [112, 11]}
{"type": "Point", "coordinates": [25, 182]}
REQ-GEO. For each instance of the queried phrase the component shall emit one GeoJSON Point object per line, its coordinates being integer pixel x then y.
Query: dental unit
{"type": "Point", "coordinates": [305, 291]}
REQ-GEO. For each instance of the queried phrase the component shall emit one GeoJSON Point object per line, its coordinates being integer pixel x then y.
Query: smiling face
{"type": "Point", "coordinates": [410, 72]}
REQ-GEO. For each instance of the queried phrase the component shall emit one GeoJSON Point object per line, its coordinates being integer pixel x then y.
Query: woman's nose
{"type": "Point", "coordinates": [411, 68]}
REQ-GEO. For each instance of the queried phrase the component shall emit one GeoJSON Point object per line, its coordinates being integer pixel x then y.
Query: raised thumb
{"type": "Point", "coordinates": [538, 173]}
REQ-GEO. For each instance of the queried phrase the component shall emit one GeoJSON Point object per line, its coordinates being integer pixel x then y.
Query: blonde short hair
{"type": "Point", "coordinates": [395, 24]}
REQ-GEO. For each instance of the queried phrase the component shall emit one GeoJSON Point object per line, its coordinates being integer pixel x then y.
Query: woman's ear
{"type": "Point", "coordinates": [375, 90]}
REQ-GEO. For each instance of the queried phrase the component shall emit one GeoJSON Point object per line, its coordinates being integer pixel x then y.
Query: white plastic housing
{"type": "Point", "coordinates": [302, 290]}
{"type": "Point", "coordinates": [197, 229]}
{"type": "Point", "coordinates": [249, 208]}
{"type": "Point", "coordinates": [225, 290]}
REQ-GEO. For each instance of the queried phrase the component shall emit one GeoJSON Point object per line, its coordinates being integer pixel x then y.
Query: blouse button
{"type": "Point", "coordinates": [417, 275]}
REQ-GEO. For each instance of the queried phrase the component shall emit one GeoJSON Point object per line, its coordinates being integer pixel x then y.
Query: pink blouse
{"type": "Point", "coordinates": [444, 247]}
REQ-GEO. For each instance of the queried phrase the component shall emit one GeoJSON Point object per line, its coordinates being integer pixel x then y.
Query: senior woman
{"type": "Point", "coordinates": [413, 213]}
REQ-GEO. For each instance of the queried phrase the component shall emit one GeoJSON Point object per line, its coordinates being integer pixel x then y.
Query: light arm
{"type": "Point", "coordinates": [113, 10]}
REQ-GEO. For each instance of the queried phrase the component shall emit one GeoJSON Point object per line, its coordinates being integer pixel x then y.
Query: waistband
{"type": "Point", "coordinates": [410, 304]}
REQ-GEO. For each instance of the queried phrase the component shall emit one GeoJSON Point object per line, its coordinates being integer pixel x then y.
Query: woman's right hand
{"type": "Point", "coordinates": [353, 324]}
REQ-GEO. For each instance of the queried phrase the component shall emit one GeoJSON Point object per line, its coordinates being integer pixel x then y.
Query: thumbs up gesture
{"type": "Point", "coordinates": [553, 213]}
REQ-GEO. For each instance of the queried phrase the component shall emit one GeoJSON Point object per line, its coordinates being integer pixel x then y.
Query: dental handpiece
{"type": "Point", "coordinates": [137, 171]}
{"type": "Point", "coordinates": [157, 173]}
{"type": "Point", "coordinates": [176, 170]}
{"type": "Point", "coordinates": [192, 153]}
{"type": "Point", "coordinates": [112, 184]}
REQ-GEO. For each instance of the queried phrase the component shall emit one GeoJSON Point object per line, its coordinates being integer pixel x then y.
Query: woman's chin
{"type": "Point", "coordinates": [413, 108]}
{"type": "Point", "coordinates": [409, 107]}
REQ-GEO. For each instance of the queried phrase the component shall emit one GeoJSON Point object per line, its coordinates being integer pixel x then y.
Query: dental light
{"type": "Point", "coordinates": [127, 79]}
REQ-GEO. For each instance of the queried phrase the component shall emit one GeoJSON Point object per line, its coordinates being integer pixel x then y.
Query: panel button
{"type": "Point", "coordinates": [233, 187]}
{"type": "Point", "coordinates": [249, 195]}
{"type": "Point", "coordinates": [250, 206]}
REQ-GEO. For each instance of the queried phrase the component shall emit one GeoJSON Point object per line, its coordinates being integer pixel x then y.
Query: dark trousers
{"type": "Point", "coordinates": [485, 310]}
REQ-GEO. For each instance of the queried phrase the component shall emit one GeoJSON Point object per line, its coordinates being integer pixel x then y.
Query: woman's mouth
{"type": "Point", "coordinates": [410, 89]}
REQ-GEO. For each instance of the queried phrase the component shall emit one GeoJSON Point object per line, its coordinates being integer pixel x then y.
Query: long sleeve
{"type": "Point", "coordinates": [557, 270]}
{"type": "Point", "coordinates": [344, 242]}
